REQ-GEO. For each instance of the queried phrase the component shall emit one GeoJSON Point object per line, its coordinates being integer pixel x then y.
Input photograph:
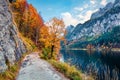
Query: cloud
{"type": "Point", "coordinates": [103, 2]}
{"type": "Point", "coordinates": [85, 6]}
{"type": "Point", "coordinates": [81, 14]}
{"type": "Point", "coordinates": [92, 1]}
{"type": "Point", "coordinates": [78, 18]}
{"type": "Point", "coordinates": [78, 8]}
{"type": "Point", "coordinates": [86, 16]}
{"type": "Point", "coordinates": [81, 8]}
{"type": "Point", "coordinates": [68, 19]}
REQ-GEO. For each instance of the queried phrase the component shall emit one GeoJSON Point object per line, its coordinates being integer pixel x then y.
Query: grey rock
{"type": "Point", "coordinates": [69, 29]}
{"type": "Point", "coordinates": [117, 3]}
{"type": "Point", "coordinates": [11, 46]}
{"type": "Point", "coordinates": [102, 11]}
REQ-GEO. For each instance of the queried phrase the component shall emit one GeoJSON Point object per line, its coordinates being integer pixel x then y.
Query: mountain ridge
{"type": "Point", "coordinates": [95, 27]}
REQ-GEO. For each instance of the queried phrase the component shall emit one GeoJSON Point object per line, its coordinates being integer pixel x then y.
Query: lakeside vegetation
{"type": "Point", "coordinates": [69, 71]}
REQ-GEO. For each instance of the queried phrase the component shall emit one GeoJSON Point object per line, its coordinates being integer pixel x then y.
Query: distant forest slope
{"type": "Point", "coordinates": [109, 39]}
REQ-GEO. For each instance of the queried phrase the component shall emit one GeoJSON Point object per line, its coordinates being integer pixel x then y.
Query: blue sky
{"type": "Point", "coordinates": [72, 11]}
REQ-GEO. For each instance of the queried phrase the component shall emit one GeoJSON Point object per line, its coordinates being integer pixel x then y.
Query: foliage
{"type": "Point", "coordinates": [31, 25]}
{"type": "Point", "coordinates": [30, 46]}
{"type": "Point", "coordinates": [69, 71]}
{"type": "Point", "coordinates": [45, 53]}
{"type": "Point", "coordinates": [110, 37]}
{"type": "Point", "coordinates": [10, 74]}
{"type": "Point", "coordinates": [27, 19]}
{"type": "Point", "coordinates": [50, 37]}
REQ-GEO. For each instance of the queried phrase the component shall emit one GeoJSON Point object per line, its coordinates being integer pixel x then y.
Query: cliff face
{"type": "Point", "coordinates": [69, 29]}
{"type": "Point", "coordinates": [99, 24]}
{"type": "Point", "coordinates": [11, 46]}
{"type": "Point", "coordinates": [102, 11]}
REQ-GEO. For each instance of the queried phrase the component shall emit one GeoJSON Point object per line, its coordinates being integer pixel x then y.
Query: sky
{"type": "Point", "coordinates": [71, 11]}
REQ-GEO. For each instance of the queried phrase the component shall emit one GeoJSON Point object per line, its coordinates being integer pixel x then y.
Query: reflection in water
{"type": "Point", "coordinates": [103, 66]}
{"type": "Point", "coordinates": [61, 59]}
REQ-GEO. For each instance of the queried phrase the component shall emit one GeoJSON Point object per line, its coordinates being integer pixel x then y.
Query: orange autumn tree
{"type": "Point", "coordinates": [28, 19]}
{"type": "Point", "coordinates": [19, 8]}
{"type": "Point", "coordinates": [51, 37]}
{"type": "Point", "coordinates": [34, 23]}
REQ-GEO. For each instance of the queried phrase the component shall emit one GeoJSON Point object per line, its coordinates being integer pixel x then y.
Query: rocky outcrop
{"type": "Point", "coordinates": [11, 46]}
{"type": "Point", "coordinates": [117, 3]}
{"type": "Point", "coordinates": [102, 11]}
{"type": "Point", "coordinates": [98, 24]}
{"type": "Point", "coordinates": [69, 29]}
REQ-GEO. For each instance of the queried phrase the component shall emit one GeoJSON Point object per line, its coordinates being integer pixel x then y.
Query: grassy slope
{"type": "Point", "coordinates": [69, 71]}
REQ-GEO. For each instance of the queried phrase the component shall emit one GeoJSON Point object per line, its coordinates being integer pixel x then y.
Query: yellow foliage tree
{"type": "Point", "coordinates": [51, 35]}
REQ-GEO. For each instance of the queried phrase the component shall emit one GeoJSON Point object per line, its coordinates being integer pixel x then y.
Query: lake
{"type": "Point", "coordinates": [101, 65]}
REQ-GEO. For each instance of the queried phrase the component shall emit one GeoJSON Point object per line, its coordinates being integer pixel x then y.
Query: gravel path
{"type": "Point", "coordinates": [34, 68]}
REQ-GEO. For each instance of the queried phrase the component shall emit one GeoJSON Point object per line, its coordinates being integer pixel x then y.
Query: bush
{"type": "Point", "coordinates": [45, 53]}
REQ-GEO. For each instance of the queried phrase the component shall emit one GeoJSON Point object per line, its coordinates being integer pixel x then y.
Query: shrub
{"type": "Point", "coordinates": [45, 53]}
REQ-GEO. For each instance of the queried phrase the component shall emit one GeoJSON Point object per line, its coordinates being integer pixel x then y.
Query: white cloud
{"type": "Point", "coordinates": [92, 1]}
{"type": "Point", "coordinates": [86, 16]}
{"type": "Point", "coordinates": [103, 2]}
{"type": "Point", "coordinates": [80, 18]}
{"type": "Point", "coordinates": [81, 8]}
{"type": "Point", "coordinates": [85, 6]}
{"type": "Point", "coordinates": [68, 19]}
{"type": "Point", "coordinates": [78, 8]}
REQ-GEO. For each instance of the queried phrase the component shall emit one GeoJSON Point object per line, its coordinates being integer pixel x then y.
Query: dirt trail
{"type": "Point", "coordinates": [34, 68]}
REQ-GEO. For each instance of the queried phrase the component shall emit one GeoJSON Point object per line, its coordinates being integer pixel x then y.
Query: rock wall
{"type": "Point", "coordinates": [11, 46]}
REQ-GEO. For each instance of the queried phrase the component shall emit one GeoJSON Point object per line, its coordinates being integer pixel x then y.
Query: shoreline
{"type": "Point", "coordinates": [99, 49]}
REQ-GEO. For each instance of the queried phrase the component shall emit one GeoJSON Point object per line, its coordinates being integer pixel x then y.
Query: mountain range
{"type": "Point", "coordinates": [101, 23]}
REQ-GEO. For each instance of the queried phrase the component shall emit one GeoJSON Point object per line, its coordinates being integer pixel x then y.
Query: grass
{"type": "Point", "coordinates": [30, 45]}
{"type": "Point", "coordinates": [12, 71]}
{"type": "Point", "coordinates": [69, 71]}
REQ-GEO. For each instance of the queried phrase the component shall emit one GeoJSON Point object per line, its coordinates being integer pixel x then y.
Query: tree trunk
{"type": "Point", "coordinates": [52, 49]}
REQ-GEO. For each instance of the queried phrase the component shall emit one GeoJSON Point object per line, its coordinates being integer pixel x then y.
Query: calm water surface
{"type": "Point", "coordinates": [102, 65]}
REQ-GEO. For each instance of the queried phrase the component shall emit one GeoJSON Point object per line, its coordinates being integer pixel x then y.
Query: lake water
{"type": "Point", "coordinates": [102, 65]}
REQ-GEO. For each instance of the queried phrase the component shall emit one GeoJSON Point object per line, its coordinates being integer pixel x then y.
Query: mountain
{"type": "Point", "coordinates": [102, 11]}
{"type": "Point", "coordinates": [101, 22]}
{"type": "Point", "coordinates": [11, 46]}
{"type": "Point", "coordinates": [69, 29]}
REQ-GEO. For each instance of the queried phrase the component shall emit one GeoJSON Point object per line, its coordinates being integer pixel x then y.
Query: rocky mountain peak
{"type": "Point", "coordinates": [102, 11]}
{"type": "Point", "coordinates": [117, 3]}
